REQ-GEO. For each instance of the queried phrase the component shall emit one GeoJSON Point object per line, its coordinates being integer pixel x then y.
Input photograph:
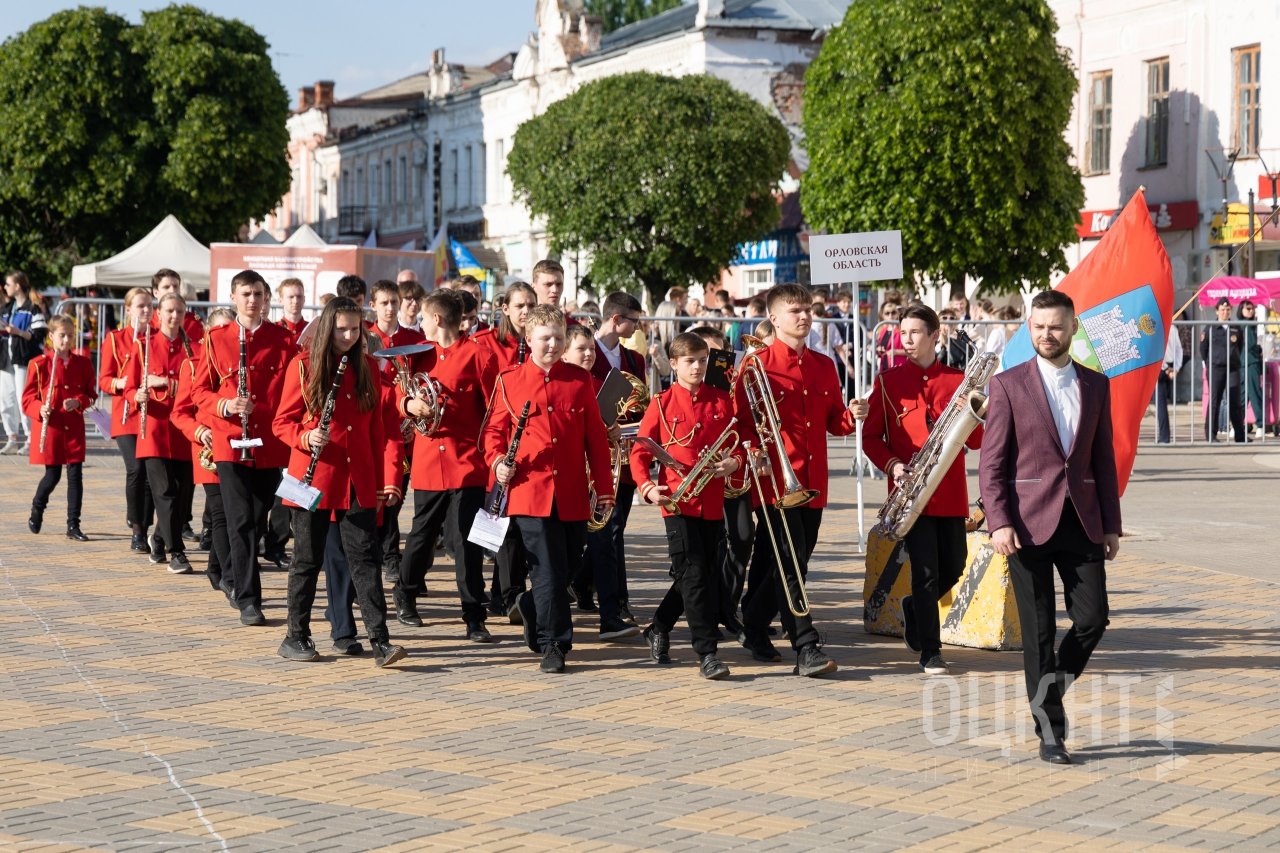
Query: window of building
{"type": "Point", "coordinates": [453, 178]}
{"type": "Point", "coordinates": [1098, 154]}
{"type": "Point", "coordinates": [499, 169]}
{"type": "Point", "coordinates": [1157, 118]}
{"type": "Point", "coordinates": [387, 183]}
{"type": "Point", "coordinates": [1246, 99]}
{"type": "Point", "coordinates": [481, 175]}
{"type": "Point", "coordinates": [757, 279]}
{"type": "Point", "coordinates": [404, 180]}
{"type": "Point", "coordinates": [470, 181]}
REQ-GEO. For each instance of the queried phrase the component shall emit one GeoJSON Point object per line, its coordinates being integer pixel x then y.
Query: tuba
{"type": "Point", "coordinates": [633, 404]}
{"type": "Point", "coordinates": [965, 411]}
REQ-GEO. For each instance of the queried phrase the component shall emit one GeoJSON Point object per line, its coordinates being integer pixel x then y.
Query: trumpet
{"type": "Point", "coordinates": [764, 412]}
{"type": "Point", "coordinates": [633, 404]}
{"type": "Point", "coordinates": [692, 484]}
{"type": "Point", "coordinates": [797, 602]}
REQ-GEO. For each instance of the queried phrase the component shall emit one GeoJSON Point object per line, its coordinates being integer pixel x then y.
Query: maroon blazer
{"type": "Point", "coordinates": [1025, 476]}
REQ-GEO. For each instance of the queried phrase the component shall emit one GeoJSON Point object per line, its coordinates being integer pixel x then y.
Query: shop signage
{"type": "Point", "coordinates": [1172, 216]}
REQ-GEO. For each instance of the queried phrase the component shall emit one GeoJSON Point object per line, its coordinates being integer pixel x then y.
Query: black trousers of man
{"type": "Point", "coordinates": [247, 494]}
{"type": "Point", "coordinates": [218, 571]}
{"type": "Point", "coordinates": [694, 545]}
{"type": "Point", "coordinates": [735, 555]}
{"type": "Point", "coordinates": [548, 542]}
{"type": "Point", "coordinates": [606, 560]}
{"type": "Point", "coordinates": [139, 510]}
{"type": "Point", "coordinates": [768, 598]}
{"type": "Point", "coordinates": [510, 569]}
{"type": "Point", "coordinates": [357, 528]}
{"type": "Point", "coordinates": [275, 528]}
{"type": "Point", "coordinates": [170, 479]}
{"type": "Point", "coordinates": [75, 490]}
{"type": "Point", "coordinates": [432, 513]}
{"type": "Point", "coordinates": [1223, 381]}
{"type": "Point", "coordinates": [389, 537]}
{"type": "Point", "coordinates": [938, 551]}
{"type": "Point", "coordinates": [1082, 567]}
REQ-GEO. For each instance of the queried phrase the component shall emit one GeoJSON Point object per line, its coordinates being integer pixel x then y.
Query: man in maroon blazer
{"type": "Point", "coordinates": [1048, 480]}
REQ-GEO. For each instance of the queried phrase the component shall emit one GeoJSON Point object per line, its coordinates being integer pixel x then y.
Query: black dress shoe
{"type": "Point", "coordinates": [760, 647]}
{"type": "Point", "coordinates": [73, 532]}
{"type": "Point", "coordinates": [385, 653]}
{"type": "Point", "coordinates": [35, 521]}
{"type": "Point", "coordinates": [251, 615]}
{"type": "Point", "coordinates": [712, 669]}
{"type": "Point", "coordinates": [1054, 753]}
{"type": "Point", "coordinates": [138, 543]}
{"type": "Point", "coordinates": [478, 633]}
{"type": "Point", "coordinates": [659, 644]}
{"type": "Point", "coordinates": [406, 609]}
{"type": "Point", "coordinates": [205, 540]}
{"type": "Point", "coordinates": [811, 662]}
{"type": "Point", "coordinates": [529, 619]}
{"type": "Point", "coordinates": [299, 648]}
{"type": "Point", "coordinates": [552, 658]}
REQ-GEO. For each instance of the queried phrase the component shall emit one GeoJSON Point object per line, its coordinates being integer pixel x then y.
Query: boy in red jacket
{"type": "Point", "coordinates": [60, 386]}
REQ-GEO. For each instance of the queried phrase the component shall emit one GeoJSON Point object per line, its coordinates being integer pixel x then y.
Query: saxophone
{"type": "Point", "coordinates": [965, 411]}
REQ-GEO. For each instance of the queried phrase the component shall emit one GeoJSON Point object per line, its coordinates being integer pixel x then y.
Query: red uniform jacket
{"type": "Point", "coordinates": [686, 423]}
{"type": "Point", "coordinates": [163, 440]}
{"type": "Point", "coordinates": [117, 347]}
{"type": "Point", "coordinates": [190, 421]}
{"type": "Point", "coordinates": [564, 420]}
{"type": "Point", "coordinates": [294, 329]}
{"type": "Point", "coordinates": [450, 458]}
{"type": "Point", "coordinates": [633, 363]}
{"type": "Point", "coordinates": [506, 351]}
{"type": "Point", "coordinates": [72, 379]}
{"type": "Point", "coordinates": [400, 337]}
{"type": "Point", "coordinates": [268, 351]}
{"type": "Point", "coordinates": [806, 392]}
{"type": "Point", "coordinates": [906, 401]}
{"type": "Point", "coordinates": [364, 452]}
{"type": "Point", "coordinates": [191, 324]}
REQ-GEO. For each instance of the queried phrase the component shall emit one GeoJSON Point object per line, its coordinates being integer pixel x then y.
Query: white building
{"type": "Point", "coordinates": [1170, 97]}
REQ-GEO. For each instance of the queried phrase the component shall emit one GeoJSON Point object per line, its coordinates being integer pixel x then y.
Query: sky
{"type": "Point", "coordinates": [358, 45]}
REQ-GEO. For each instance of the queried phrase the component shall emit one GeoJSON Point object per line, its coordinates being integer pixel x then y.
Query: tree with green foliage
{"type": "Point", "coordinates": [106, 127]}
{"type": "Point", "coordinates": [946, 121]}
{"type": "Point", "coordinates": [619, 13]}
{"type": "Point", "coordinates": [658, 178]}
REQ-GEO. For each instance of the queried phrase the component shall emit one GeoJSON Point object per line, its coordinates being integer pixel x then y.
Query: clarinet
{"type": "Point", "coordinates": [124, 410]}
{"type": "Point", "coordinates": [44, 422]}
{"type": "Point", "coordinates": [242, 391]}
{"type": "Point", "coordinates": [498, 497]}
{"type": "Point", "coordinates": [146, 369]}
{"type": "Point", "coordinates": [326, 416]}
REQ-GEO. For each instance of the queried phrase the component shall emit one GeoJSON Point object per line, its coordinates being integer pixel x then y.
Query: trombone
{"type": "Point", "coordinates": [764, 413]}
{"type": "Point", "coordinates": [798, 603]}
{"type": "Point", "coordinates": [692, 484]}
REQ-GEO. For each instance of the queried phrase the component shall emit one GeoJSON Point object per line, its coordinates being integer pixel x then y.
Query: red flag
{"type": "Point", "coordinates": [1123, 291]}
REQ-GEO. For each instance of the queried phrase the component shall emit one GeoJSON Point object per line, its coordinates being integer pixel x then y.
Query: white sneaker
{"type": "Point", "coordinates": [8, 447]}
{"type": "Point", "coordinates": [25, 448]}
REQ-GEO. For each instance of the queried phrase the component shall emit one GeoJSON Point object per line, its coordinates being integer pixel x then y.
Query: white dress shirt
{"type": "Point", "coordinates": [1062, 387]}
{"type": "Point", "coordinates": [613, 356]}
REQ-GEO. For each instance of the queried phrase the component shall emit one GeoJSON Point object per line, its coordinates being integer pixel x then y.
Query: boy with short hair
{"type": "Point", "coordinates": [292, 296]}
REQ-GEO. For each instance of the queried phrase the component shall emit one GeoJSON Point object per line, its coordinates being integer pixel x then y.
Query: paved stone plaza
{"type": "Point", "coordinates": [138, 714]}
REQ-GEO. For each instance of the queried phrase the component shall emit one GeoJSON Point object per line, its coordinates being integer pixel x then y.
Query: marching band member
{"type": "Point", "coordinates": [687, 420]}
{"type": "Point", "coordinates": [547, 486]}
{"type": "Point", "coordinates": [162, 449]}
{"type": "Point", "coordinates": [292, 295]}
{"type": "Point", "coordinates": [169, 281]}
{"type": "Point", "coordinates": [59, 389]}
{"type": "Point", "coordinates": [117, 347]}
{"type": "Point", "coordinates": [276, 535]}
{"type": "Point", "coordinates": [448, 472]}
{"type": "Point", "coordinates": [905, 403]}
{"type": "Point", "coordinates": [196, 427]}
{"type": "Point", "coordinates": [806, 392]}
{"type": "Point", "coordinates": [239, 397]}
{"type": "Point", "coordinates": [411, 298]}
{"type": "Point", "coordinates": [352, 432]}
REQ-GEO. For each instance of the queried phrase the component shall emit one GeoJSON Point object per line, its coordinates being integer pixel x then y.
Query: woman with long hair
{"type": "Point", "coordinates": [346, 423]}
{"type": "Point", "coordinates": [506, 341]}
{"type": "Point", "coordinates": [22, 334]}
{"type": "Point", "coordinates": [118, 348]}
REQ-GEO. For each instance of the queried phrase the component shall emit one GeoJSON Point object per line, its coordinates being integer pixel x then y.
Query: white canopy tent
{"type": "Point", "coordinates": [264, 238]}
{"type": "Point", "coordinates": [168, 245]}
{"type": "Point", "coordinates": [305, 237]}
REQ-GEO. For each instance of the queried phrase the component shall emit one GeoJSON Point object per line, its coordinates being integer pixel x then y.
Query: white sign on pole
{"type": "Point", "coordinates": [869, 256]}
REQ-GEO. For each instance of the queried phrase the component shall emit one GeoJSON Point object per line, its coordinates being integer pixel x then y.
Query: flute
{"type": "Point", "coordinates": [497, 502]}
{"type": "Point", "coordinates": [326, 417]}
{"type": "Point", "coordinates": [48, 401]}
{"type": "Point", "coordinates": [242, 391]}
{"type": "Point", "coordinates": [146, 369]}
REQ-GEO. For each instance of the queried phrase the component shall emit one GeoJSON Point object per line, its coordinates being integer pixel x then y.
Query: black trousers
{"type": "Point", "coordinates": [219, 556]}
{"type": "Point", "coordinates": [247, 494]}
{"type": "Point", "coordinates": [1164, 393]}
{"type": "Point", "coordinates": [75, 490]}
{"type": "Point", "coordinates": [1082, 567]}
{"type": "Point", "coordinates": [548, 542]}
{"type": "Point", "coordinates": [339, 589]}
{"type": "Point", "coordinates": [1225, 382]}
{"type": "Point", "coordinates": [170, 479]}
{"type": "Point", "coordinates": [606, 559]}
{"type": "Point", "coordinates": [510, 569]}
{"type": "Point", "coordinates": [389, 536]}
{"type": "Point", "coordinates": [356, 527]}
{"type": "Point", "coordinates": [938, 552]}
{"type": "Point", "coordinates": [768, 598]}
{"type": "Point", "coordinates": [275, 530]}
{"type": "Point", "coordinates": [735, 553]}
{"type": "Point", "coordinates": [137, 491]}
{"type": "Point", "coordinates": [694, 544]}
{"type": "Point", "coordinates": [451, 511]}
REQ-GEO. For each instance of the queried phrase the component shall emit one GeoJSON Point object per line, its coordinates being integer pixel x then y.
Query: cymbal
{"type": "Point", "coordinates": [405, 349]}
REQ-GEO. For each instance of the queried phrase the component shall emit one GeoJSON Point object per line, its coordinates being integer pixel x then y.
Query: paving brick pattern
{"type": "Point", "coordinates": [137, 714]}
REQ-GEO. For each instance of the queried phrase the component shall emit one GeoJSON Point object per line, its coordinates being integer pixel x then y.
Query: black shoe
{"type": "Point", "coordinates": [406, 609]}
{"type": "Point", "coordinates": [760, 647]}
{"type": "Point", "coordinates": [348, 646]}
{"type": "Point", "coordinates": [587, 601]}
{"type": "Point", "coordinates": [224, 587]}
{"type": "Point", "coordinates": [616, 629]}
{"type": "Point", "coordinates": [553, 658]}
{"type": "Point", "coordinates": [277, 558]}
{"type": "Point", "coordinates": [298, 648]}
{"type": "Point", "coordinates": [712, 669]}
{"type": "Point", "coordinates": [189, 535]}
{"type": "Point", "coordinates": [205, 540]}
{"type": "Point", "coordinates": [811, 662]}
{"type": "Point", "coordinates": [513, 614]}
{"type": "Point", "coordinates": [910, 635]}
{"type": "Point", "coordinates": [935, 665]}
{"type": "Point", "coordinates": [732, 626]}
{"type": "Point", "coordinates": [178, 564]}
{"type": "Point", "coordinates": [36, 521]}
{"type": "Point", "coordinates": [478, 633]}
{"type": "Point", "coordinates": [1054, 753]}
{"type": "Point", "coordinates": [659, 644]}
{"type": "Point", "coordinates": [74, 532]}
{"type": "Point", "coordinates": [624, 612]}
{"type": "Point", "coordinates": [529, 619]}
{"type": "Point", "coordinates": [157, 550]}
{"type": "Point", "coordinates": [138, 543]}
{"type": "Point", "coordinates": [384, 653]}
{"type": "Point", "coordinates": [251, 615]}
